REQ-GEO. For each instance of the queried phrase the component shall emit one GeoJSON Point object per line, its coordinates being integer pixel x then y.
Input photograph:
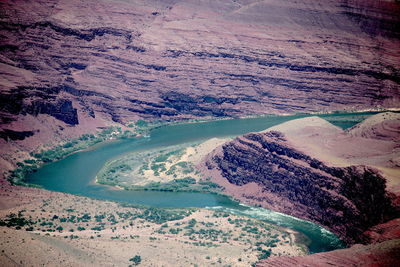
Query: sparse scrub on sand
{"type": "Point", "coordinates": [159, 170]}
{"type": "Point", "coordinates": [92, 224]}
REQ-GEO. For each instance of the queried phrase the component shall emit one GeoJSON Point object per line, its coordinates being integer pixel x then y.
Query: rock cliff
{"type": "Point", "coordinates": [96, 62]}
{"type": "Point", "coordinates": [346, 200]}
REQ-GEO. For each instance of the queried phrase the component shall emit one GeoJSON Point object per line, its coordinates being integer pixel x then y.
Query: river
{"type": "Point", "coordinates": [75, 173]}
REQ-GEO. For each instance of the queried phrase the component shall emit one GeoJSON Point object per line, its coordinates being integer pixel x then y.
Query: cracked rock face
{"type": "Point", "coordinates": [124, 60]}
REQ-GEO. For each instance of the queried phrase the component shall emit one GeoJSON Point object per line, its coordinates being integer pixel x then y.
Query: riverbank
{"type": "Point", "coordinates": [100, 156]}
{"type": "Point", "coordinates": [279, 167]}
{"type": "Point", "coordinates": [16, 170]}
{"type": "Point", "coordinates": [83, 167]}
{"type": "Point", "coordinates": [170, 169]}
{"type": "Point", "coordinates": [57, 228]}
{"type": "Point", "coordinates": [39, 158]}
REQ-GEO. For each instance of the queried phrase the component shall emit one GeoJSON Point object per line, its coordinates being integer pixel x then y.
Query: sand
{"type": "Point", "coordinates": [121, 239]}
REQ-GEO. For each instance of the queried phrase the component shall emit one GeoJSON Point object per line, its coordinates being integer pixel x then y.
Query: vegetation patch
{"type": "Point", "coordinates": [17, 176]}
{"type": "Point", "coordinates": [136, 260]}
{"type": "Point", "coordinates": [160, 170]}
{"type": "Point", "coordinates": [208, 233]}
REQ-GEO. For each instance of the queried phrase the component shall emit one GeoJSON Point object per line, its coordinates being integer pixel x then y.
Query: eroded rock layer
{"type": "Point", "coordinates": [169, 59]}
{"type": "Point", "coordinates": [347, 200]}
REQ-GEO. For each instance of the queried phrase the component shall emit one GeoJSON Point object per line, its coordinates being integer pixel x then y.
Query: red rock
{"type": "Point", "coordinates": [118, 61]}
{"type": "Point", "coordinates": [385, 254]}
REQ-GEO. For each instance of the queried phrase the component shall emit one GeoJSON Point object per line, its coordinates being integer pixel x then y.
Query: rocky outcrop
{"type": "Point", "coordinates": [383, 254]}
{"type": "Point", "coordinates": [61, 110]}
{"type": "Point", "coordinates": [7, 134]}
{"type": "Point", "coordinates": [346, 200]}
{"type": "Point", "coordinates": [44, 101]}
{"type": "Point", "coordinates": [383, 249]}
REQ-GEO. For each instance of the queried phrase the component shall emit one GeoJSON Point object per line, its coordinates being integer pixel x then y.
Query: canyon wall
{"type": "Point", "coordinates": [86, 64]}
{"type": "Point", "coordinates": [346, 200]}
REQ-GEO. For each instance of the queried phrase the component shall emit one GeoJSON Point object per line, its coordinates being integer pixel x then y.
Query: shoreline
{"type": "Point", "coordinates": [256, 116]}
{"type": "Point", "coordinates": [148, 129]}
{"type": "Point", "coordinates": [115, 139]}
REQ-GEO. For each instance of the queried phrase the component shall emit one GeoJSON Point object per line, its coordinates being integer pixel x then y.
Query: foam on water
{"type": "Point", "coordinates": [309, 229]}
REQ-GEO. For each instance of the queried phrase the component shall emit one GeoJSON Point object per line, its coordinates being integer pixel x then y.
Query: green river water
{"type": "Point", "coordinates": [75, 173]}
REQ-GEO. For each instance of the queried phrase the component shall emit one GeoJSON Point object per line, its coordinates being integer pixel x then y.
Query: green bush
{"type": "Point", "coordinates": [141, 123]}
{"type": "Point", "coordinates": [186, 184]}
{"type": "Point", "coordinates": [14, 221]}
{"type": "Point", "coordinates": [136, 260]}
{"type": "Point", "coordinates": [192, 223]}
{"type": "Point", "coordinates": [265, 254]}
{"type": "Point", "coordinates": [161, 216]}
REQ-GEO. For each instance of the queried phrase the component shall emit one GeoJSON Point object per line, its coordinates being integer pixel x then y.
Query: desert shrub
{"type": "Point", "coordinates": [192, 223]}
{"type": "Point", "coordinates": [161, 216]}
{"type": "Point", "coordinates": [141, 123]}
{"type": "Point", "coordinates": [13, 220]}
{"type": "Point", "coordinates": [136, 260]}
{"type": "Point", "coordinates": [265, 254]}
{"type": "Point", "coordinates": [97, 228]}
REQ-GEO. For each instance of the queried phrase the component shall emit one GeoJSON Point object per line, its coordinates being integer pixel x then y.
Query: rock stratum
{"type": "Point", "coordinates": [346, 200]}
{"type": "Point", "coordinates": [68, 67]}
{"type": "Point", "coordinates": [275, 170]}
{"type": "Point", "coordinates": [382, 254]}
{"type": "Point", "coordinates": [72, 67]}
